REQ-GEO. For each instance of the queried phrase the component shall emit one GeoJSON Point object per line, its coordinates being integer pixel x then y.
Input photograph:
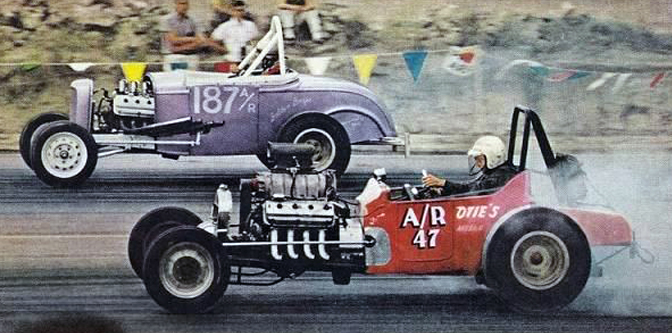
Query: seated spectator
{"type": "Point", "coordinates": [223, 11]}
{"type": "Point", "coordinates": [236, 32]}
{"type": "Point", "coordinates": [292, 11]}
{"type": "Point", "coordinates": [181, 35]}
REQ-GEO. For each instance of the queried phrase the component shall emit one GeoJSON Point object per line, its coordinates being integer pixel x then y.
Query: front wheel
{"type": "Point", "coordinates": [63, 154]}
{"type": "Point", "coordinates": [538, 261]}
{"type": "Point", "coordinates": [150, 226]}
{"type": "Point", "coordinates": [331, 142]}
{"type": "Point", "coordinates": [186, 270]}
{"type": "Point", "coordinates": [29, 130]}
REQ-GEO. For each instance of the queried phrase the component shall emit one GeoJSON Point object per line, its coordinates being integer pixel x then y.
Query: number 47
{"type": "Point", "coordinates": [424, 241]}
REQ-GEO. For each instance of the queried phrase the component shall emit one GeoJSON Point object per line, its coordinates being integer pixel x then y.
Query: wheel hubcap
{"type": "Point", "coordinates": [325, 147]}
{"type": "Point", "coordinates": [64, 155]}
{"type": "Point", "coordinates": [539, 260]}
{"type": "Point", "coordinates": [186, 270]}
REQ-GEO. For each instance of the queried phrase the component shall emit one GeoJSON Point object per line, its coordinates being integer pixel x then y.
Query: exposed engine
{"type": "Point", "coordinates": [298, 212]}
{"type": "Point", "coordinates": [130, 106]}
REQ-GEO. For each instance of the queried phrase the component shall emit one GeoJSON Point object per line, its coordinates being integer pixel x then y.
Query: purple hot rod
{"type": "Point", "coordinates": [205, 113]}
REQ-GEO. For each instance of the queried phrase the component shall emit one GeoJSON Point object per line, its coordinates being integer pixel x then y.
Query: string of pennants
{"type": "Point", "coordinates": [554, 74]}
{"type": "Point", "coordinates": [458, 61]}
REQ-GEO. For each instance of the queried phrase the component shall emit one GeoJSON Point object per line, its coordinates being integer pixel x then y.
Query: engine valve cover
{"type": "Point", "coordinates": [134, 106]}
{"type": "Point", "coordinates": [304, 213]}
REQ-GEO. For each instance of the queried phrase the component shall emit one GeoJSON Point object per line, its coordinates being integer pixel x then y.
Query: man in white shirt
{"type": "Point", "coordinates": [236, 32]}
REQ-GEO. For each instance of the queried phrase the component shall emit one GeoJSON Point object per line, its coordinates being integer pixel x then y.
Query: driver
{"type": "Point", "coordinates": [487, 157]}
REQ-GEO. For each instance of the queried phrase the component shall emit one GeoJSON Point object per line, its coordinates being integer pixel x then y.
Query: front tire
{"type": "Point", "coordinates": [29, 130]}
{"type": "Point", "coordinates": [150, 226]}
{"type": "Point", "coordinates": [186, 270]}
{"type": "Point", "coordinates": [63, 154]}
{"type": "Point", "coordinates": [331, 142]}
{"type": "Point", "coordinates": [538, 261]}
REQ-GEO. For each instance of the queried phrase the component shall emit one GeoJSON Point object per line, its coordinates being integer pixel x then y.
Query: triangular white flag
{"type": "Point", "coordinates": [80, 66]}
{"type": "Point", "coordinates": [318, 65]}
{"type": "Point", "coordinates": [620, 82]}
{"type": "Point", "coordinates": [601, 81]}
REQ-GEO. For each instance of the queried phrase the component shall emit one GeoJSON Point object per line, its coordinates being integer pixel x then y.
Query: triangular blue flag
{"type": "Point", "coordinates": [414, 61]}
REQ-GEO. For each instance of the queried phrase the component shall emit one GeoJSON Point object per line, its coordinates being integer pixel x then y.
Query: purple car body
{"type": "Point", "coordinates": [194, 113]}
{"type": "Point", "coordinates": [256, 112]}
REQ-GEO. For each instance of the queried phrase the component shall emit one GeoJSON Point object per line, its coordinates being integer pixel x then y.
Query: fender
{"type": "Point", "coordinates": [361, 125]}
{"type": "Point", "coordinates": [80, 106]}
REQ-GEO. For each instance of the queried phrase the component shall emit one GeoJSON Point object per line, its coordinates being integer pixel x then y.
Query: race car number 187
{"type": "Point", "coordinates": [223, 99]}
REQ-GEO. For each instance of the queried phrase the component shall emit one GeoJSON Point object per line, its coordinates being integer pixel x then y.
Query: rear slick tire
{"type": "Point", "coordinates": [538, 261]}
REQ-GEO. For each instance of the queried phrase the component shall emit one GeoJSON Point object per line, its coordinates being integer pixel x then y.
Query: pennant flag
{"type": "Point", "coordinates": [620, 82]}
{"type": "Point", "coordinates": [364, 64]}
{"type": "Point", "coordinates": [601, 81]}
{"type": "Point", "coordinates": [657, 79]}
{"type": "Point", "coordinates": [540, 70]}
{"type": "Point", "coordinates": [562, 76]}
{"type": "Point", "coordinates": [567, 75]}
{"type": "Point", "coordinates": [460, 61]}
{"type": "Point", "coordinates": [29, 67]}
{"type": "Point", "coordinates": [178, 65]}
{"type": "Point", "coordinates": [318, 65]}
{"type": "Point", "coordinates": [80, 66]}
{"type": "Point", "coordinates": [133, 71]}
{"type": "Point", "coordinates": [515, 63]}
{"type": "Point", "coordinates": [414, 61]}
{"type": "Point", "coordinates": [579, 74]}
{"type": "Point", "coordinates": [468, 55]}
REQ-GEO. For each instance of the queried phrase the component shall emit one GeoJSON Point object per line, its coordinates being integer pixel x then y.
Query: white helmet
{"type": "Point", "coordinates": [492, 147]}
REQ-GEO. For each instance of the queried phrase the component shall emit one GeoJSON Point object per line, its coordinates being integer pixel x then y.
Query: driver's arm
{"type": "Point", "coordinates": [447, 187]}
{"type": "Point", "coordinates": [433, 181]}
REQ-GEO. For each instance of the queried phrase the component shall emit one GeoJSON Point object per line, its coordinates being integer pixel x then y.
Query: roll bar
{"type": "Point", "coordinates": [531, 120]}
{"type": "Point", "coordinates": [272, 39]}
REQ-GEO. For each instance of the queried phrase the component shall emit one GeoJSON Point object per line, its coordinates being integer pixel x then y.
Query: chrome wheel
{"type": "Point", "coordinates": [539, 260]}
{"type": "Point", "coordinates": [64, 155]}
{"type": "Point", "coordinates": [325, 147]}
{"type": "Point", "coordinates": [186, 270]}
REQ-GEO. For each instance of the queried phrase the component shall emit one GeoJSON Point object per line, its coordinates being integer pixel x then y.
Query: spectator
{"type": "Point", "coordinates": [223, 12]}
{"type": "Point", "coordinates": [236, 32]}
{"type": "Point", "coordinates": [292, 11]}
{"type": "Point", "coordinates": [181, 35]}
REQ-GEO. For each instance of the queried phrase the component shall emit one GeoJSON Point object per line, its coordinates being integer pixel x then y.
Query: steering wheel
{"type": "Point", "coordinates": [418, 192]}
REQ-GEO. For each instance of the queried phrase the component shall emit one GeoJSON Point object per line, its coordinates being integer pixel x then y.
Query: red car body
{"type": "Point", "coordinates": [449, 235]}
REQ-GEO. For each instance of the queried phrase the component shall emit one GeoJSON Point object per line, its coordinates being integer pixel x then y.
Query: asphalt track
{"type": "Point", "coordinates": [63, 260]}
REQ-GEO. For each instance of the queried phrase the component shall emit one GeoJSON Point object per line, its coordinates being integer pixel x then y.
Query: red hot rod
{"type": "Point", "coordinates": [292, 220]}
